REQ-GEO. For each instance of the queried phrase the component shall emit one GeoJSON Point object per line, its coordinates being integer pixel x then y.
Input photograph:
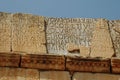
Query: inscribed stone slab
{"type": "Point", "coordinates": [62, 31]}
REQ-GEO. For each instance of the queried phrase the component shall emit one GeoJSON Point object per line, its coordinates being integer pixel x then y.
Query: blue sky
{"type": "Point", "coordinates": [109, 9]}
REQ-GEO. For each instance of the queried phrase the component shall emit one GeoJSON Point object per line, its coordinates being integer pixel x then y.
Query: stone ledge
{"type": "Point", "coordinates": [60, 62]}
{"type": "Point", "coordinates": [115, 63]}
{"type": "Point", "coordinates": [45, 62]}
{"type": "Point", "coordinates": [9, 60]}
{"type": "Point", "coordinates": [88, 64]}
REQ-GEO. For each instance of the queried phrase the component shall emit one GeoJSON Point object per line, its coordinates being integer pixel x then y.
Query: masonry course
{"type": "Point", "coordinates": [37, 47]}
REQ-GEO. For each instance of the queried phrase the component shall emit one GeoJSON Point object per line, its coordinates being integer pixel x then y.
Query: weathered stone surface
{"type": "Point", "coordinates": [115, 63]}
{"type": "Point", "coordinates": [5, 32]}
{"type": "Point", "coordinates": [101, 42]}
{"type": "Point", "coordinates": [63, 31]}
{"type": "Point", "coordinates": [28, 33]}
{"type": "Point", "coordinates": [84, 51]}
{"type": "Point", "coordinates": [115, 34]}
{"type": "Point", "coordinates": [54, 75]}
{"type": "Point", "coordinates": [72, 48]}
{"type": "Point", "coordinates": [9, 60]}
{"type": "Point", "coordinates": [93, 76]}
{"type": "Point", "coordinates": [45, 62]}
{"type": "Point", "coordinates": [18, 74]}
{"type": "Point", "coordinates": [87, 64]}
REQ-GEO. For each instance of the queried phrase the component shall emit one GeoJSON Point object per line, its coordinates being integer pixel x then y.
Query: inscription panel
{"type": "Point", "coordinates": [62, 31]}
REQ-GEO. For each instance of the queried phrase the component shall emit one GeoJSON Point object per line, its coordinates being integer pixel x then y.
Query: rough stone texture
{"type": "Point", "coordinates": [115, 34]}
{"type": "Point", "coordinates": [93, 76]}
{"type": "Point", "coordinates": [87, 64]}
{"type": "Point", "coordinates": [9, 60]}
{"type": "Point", "coordinates": [101, 42]}
{"type": "Point", "coordinates": [115, 63]}
{"type": "Point", "coordinates": [18, 74]}
{"type": "Point", "coordinates": [54, 75]}
{"type": "Point", "coordinates": [45, 62]}
{"type": "Point", "coordinates": [28, 34]}
{"type": "Point", "coordinates": [84, 51]}
{"type": "Point", "coordinates": [72, 48]}
{"type": "Point", "coordinates": [5, 32]}
{"type": "Point", "coordinates": [62, 31]}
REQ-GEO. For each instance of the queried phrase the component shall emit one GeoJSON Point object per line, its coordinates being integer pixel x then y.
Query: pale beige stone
{"type": "Point", "coordinates": [5, 32]}
{"type": "Point", "coordinates": [101, 43]}
{"type": "Point", "coordinates": [54, 75]}
{"type": "Point", "coordinates": [28, 34]}
{"type": "Point", "coordinates": [18, 74]}
{"type": "Point", "coordinates": [84, 51]}
{"type": "Point", "coordinates": [95, 76]}
{"type": "Point", "coordinates": [72, 47]}
{"type": "Point", "coordinates": [115, 34]}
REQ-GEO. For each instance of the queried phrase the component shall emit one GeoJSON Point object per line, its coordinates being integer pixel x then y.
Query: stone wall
{"type": "Point", "coordinates": [41, 48]}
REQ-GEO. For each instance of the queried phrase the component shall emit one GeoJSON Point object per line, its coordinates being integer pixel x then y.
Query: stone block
{"type": "Point", "coordinates": [84, 51]}
{"type": "Point", "coordinates": [72, 48]}
{"type": "Point", "coordinates": [9, 60]}
{"type": "Point", "coordinates": [54, 75]}
{"type": "Point", "coordinates": [115, 34]}
{"type": "Point", "coordinates": [95, 76]}
{"type": "Point", "coordinates": [28, 34]}
{"type": "Point", "coordinates": [44, 62]}
{"type": "Point", "coordinates": [18, 74]}
{"type": "Point", "coordinates": [115, 63]}
{"type": "Point", "coordinates": [5, 32]}
{"type": "Point", "coordinates": [87, 64]}
{"type": "Point", "coordinates": [101, 42]}
{"type": "Point", "coordinates": [63, 31]}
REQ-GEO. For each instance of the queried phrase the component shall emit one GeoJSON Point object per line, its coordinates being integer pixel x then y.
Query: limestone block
{"type": "Point", "coordinates": [44, 62]}
{"type": "Point", "coordinates": [63, 31]}
{"type": "Point", "coordinates": [54, 75]}
{"type": "Point", "coordinates": [18, 74]}
{"type": "Point", "coordinates": [9, 60]}
{"type": "Point", "coordinates": [28, 34]}
{"type": "Point", "coordinates": [115, 34]}
{"type": "Point", "coordinates": [72, 48]}
{"type": "Point", "coordinates": [84, 51]}
{"type": "Point", "coordinates": [95, 76]}
{"type": "Point", "coordinates": [115, 63]}
{"type": "Point", "coordinates": [76, 63]}
{"type": "Point", "coordinates": [101, 42]}
{"type": "Point", "coordinates": [5, 32]}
